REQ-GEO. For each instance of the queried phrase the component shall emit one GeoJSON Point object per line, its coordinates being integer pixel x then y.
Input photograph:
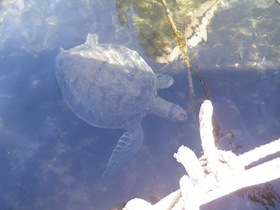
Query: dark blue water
{"type": "Point", "coordinates": [50, 159]}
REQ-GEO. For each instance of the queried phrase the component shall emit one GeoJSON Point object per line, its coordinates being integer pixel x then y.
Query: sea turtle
{"type": "Point", "coordinates": [111, 86]}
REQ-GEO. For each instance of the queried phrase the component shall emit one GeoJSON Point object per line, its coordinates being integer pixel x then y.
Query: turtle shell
{"type": "Point", "coordinates": [106, 85]}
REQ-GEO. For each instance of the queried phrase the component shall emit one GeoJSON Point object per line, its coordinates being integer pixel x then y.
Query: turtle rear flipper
{"type": "Point", "coordinates": [125, 149]}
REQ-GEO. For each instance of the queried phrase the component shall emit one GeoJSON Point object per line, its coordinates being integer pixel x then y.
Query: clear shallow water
{"type": "Point", "coordinates": [50, 159]}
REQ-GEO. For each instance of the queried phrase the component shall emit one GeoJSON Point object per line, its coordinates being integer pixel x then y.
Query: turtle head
{"type": "Point", "coordinates": [168, 110]}
{"type": "Point", "coordinates": [178, 114]}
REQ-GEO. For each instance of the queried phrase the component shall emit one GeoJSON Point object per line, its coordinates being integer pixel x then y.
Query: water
{"type": "Point", "coordinates": [50, 159]}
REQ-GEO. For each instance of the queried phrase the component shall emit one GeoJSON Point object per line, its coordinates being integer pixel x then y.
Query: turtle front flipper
{"type": "Point", "coordinates": [163, 81]}
{"type": "Point", "coordinates": [125, 149]}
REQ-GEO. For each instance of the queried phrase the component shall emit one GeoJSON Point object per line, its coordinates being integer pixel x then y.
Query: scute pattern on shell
{"type": "Point", "coordinates": [106, 85]}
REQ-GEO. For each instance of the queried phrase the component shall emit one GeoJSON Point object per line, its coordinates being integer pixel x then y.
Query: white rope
{"type": "Point", "coordinates": [221, 173]}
